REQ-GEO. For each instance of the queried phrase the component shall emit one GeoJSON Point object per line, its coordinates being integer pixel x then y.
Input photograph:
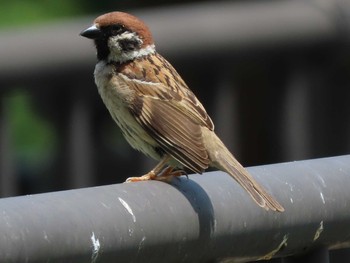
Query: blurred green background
{"type": "Point", "coordinates": [24, 12]}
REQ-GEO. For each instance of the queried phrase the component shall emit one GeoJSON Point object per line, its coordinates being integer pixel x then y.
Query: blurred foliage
{"type": "Point", "coordinates": [34, 139]}
{"type": "Point", "coordinates": [20, 12]}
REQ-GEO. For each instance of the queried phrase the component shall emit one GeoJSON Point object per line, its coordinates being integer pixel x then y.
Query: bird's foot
{"type": "Point", "coordinates": [149, 176]}
{"type": "Point", "coordinates": [166, 175]}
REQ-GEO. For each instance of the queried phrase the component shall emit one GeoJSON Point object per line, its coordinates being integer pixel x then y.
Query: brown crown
{"type": "Point", "coordinates": [130, 22]}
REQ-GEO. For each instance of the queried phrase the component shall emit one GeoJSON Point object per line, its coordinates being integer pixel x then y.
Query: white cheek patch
{"type": "Point", "coordinates": [114, 41]}
{"type": "Point", "coordinates": [129, 35]}
{"type": "Point", "coordinates": [117, 54]}
{"type": "Point", "coordinates": [113, 44]}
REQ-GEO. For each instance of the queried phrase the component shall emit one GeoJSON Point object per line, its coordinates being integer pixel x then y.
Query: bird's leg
{"type": "Point", "coordinates": [168, 173]}
{"type": "Point", "coordinates": [152, 175]}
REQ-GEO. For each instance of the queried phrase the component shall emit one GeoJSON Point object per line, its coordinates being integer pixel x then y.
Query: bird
{"type": "Point", "coordinates": [156, 111]}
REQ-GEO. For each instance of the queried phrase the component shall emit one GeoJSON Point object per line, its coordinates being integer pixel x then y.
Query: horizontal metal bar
{"type": "Point", "coordinates": [181, 31]}
{"type": "Point", "coordinates": [199, 219]}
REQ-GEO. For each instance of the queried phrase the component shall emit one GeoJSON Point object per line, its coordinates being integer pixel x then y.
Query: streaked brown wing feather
{"type": "Point", "coordinates": [168, 110]}
{"type": "Point", "coordinates": [175, 132]}
{"type": "Point", "coordinates": [157, 70]}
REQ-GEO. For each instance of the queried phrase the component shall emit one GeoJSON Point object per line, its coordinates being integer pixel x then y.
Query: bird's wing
{"type": "Point", "coordinates": [170, 113]}
{"type": "Point", "coordinates": [166, 84]}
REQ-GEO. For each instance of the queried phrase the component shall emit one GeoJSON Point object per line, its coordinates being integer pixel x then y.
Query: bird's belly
{"type": "Point", "coordinates": [133, 132]}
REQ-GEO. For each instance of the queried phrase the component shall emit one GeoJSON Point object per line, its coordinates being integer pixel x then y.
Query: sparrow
{"type": "Point", "coordinates": [156, 111]}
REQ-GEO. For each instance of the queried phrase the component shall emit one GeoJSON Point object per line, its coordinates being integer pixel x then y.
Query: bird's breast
{"type": "Point", "coordinates": [116, 95]}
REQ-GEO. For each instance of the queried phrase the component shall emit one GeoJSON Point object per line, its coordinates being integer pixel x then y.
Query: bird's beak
{"type": "Point", "coordinates": [93, 32]}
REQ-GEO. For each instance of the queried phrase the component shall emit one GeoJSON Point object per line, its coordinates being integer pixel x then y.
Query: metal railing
{"type": "Point", "coordinates": [205, 218]}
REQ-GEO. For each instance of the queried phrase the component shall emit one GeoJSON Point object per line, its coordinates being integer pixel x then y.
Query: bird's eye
{"type": "Point", "coordinates": [117, 29]}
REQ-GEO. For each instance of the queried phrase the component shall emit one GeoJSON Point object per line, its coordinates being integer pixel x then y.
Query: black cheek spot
{"type": "Point", "coordinates": [129, 44]}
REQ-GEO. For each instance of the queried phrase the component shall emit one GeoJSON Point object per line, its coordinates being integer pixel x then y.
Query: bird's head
{"type": "Point", "coordinates": [120, 37]}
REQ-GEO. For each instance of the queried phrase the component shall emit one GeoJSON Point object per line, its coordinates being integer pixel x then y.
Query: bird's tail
{"type": "Point", "coordinates": [224, 160]}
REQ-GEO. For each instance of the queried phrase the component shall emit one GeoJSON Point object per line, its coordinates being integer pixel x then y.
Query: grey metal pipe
{"type": "Point", "coordinates": [204, 218]}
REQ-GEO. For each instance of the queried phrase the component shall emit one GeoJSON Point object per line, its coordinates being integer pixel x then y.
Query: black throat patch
{"type": "Point", "coordinates": [102, 48]}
